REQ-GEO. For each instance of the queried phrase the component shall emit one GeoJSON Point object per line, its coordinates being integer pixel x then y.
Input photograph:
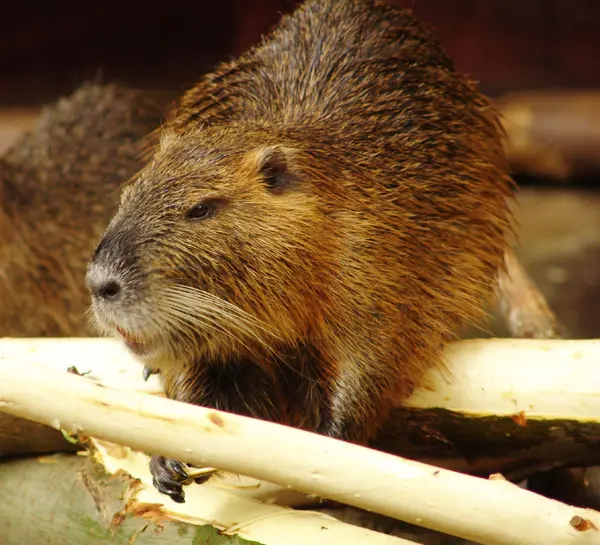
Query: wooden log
{"type": "Point", "coordinates": [488, 512]}
{"type": "Point", "coordinates": [20, 437]}
{"type": "Point", "coordinates": [62, 499]}
{"type": "Point", "coordinates": [519, 399]}
{"type": "Point", "coordinates": [485, 415]}
{"type": "Point", "coordinates": [552, 134]}
{"type": "Point", "coordinates": [70, 499]}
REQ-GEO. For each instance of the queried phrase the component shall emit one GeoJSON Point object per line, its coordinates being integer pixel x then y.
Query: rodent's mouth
{"type": "Point", "coordinates": [137, 345]}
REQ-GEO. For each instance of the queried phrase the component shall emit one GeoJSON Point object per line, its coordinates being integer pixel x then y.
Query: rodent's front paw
{"type": "Point", "coordinates": [168, 477]}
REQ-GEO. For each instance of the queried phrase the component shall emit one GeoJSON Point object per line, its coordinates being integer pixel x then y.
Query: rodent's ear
{"type": "Point", "coordinates": [273, 165]}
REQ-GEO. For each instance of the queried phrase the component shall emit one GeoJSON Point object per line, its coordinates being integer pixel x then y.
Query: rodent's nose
{"type": "Point", "coordinates": [102, 285]}
{"type": "Point", "coordinates": [109, 290]}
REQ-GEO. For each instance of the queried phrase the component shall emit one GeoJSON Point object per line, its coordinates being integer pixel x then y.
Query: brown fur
{"type": "Point", "coordinates": [359, 211]}
{"type": "Point", "coordinates": [59, 186]}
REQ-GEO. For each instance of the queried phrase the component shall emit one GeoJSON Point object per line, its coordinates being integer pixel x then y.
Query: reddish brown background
{"type": "Point", "coordinates": [505, 44]}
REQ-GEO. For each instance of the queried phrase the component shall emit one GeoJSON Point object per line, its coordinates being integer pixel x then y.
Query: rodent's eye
{"type": "Point", "coordinates": [201, 211]}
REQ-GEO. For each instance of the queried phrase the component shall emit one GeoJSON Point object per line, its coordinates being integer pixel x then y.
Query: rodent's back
{"type": "Point", "coordinates": [407, 153]}
{"type": "Point", "coordinates": [343, 65]}
{"type": "Point", "coordinates": [59, 185]}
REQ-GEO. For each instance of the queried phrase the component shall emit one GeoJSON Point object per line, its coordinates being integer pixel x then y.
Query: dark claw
{"type": "Point", "coordinates": [168, 477]}
{"type": "Point", "coordinates": [178, 498]}
{"type": "Point", "coordinates": [174, 491]}
{"type": "Point", "coordinates": [177, 469]}
{"type": "Point", "coordinates": [148, 372]}
{"type": "Point", "coordinates": [202, 479]}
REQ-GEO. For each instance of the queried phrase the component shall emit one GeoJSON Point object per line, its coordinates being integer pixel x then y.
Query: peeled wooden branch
{"type": "Point", "coordinates": [476, 419]}
{"type": "Point", "coordinates": [493, 512]}
{"type": "Point", "coordinates": [223, 503]}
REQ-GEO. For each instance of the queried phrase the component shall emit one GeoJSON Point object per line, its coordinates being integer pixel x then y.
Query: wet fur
{"type": "Point", "coordinates": [362, 217]}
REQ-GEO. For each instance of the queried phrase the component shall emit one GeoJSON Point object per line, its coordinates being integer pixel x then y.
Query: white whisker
{"type": "Point", "coordinates": [218, 302]}
{"type": "Point", "coordinates": [183, 317]}
{"type": "Point", "coordinates": [217, 315]}
{"type": "Point", "coordinates": [195, 307]}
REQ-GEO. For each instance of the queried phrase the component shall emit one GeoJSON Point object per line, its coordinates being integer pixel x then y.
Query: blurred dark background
{"type": "Point", "coordinates": [47, 48]}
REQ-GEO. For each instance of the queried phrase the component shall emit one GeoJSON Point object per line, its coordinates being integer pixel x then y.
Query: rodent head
{"type": "Point", "coordinates": [213, 250]}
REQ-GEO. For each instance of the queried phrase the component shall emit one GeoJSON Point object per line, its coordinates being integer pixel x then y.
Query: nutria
{"type": "Point", "coordinates": [319, 218]}
{"type": "Point", "coordinates": [59, 187]}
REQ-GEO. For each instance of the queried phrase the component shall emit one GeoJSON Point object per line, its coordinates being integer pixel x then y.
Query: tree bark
{"type": "Point", "coordinates": [20, 437]}
{"type": "Point", "coordinates": [65, 499]}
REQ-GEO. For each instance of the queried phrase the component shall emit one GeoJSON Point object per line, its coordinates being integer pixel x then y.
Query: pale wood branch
{"type": "Point", "coordinates": [494, 512]}
{"type": "Point", "coordinates": [482, 408]}
{"type": "Point", "coordinates": [230, 504]}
